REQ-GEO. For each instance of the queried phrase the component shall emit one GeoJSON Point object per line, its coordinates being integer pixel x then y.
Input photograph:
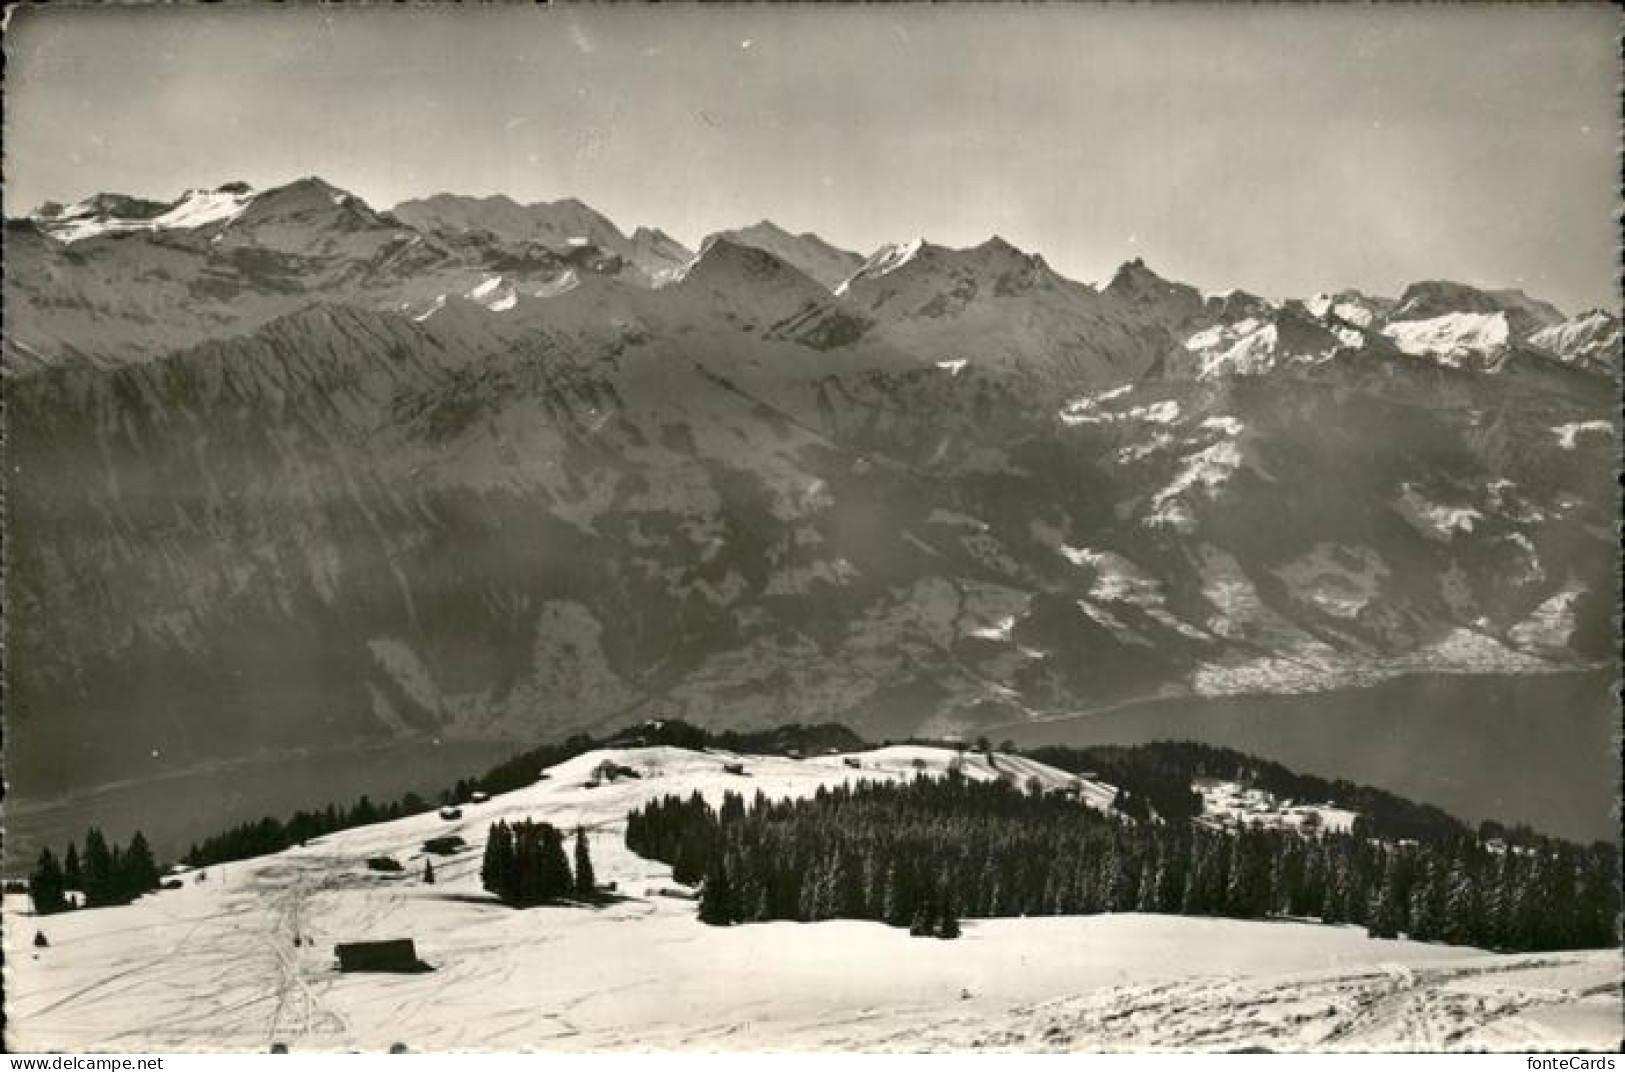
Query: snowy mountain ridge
{"type": "Point", "coordinates": [252, 253]}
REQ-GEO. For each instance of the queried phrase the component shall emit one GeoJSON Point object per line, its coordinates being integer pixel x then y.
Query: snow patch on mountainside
{"type": "Point", "coordinates": [883, 261]}
{"type": "Point", "coordinates": [1569, 435]}
{"type": "Point", "coordinates": [1551, 625]}
{"type": "Point", "coordinates": [1228, 426]}
{"type": "Point", "coordinates": [1341, 581]}
{"type": "Point", "coordinates": [496, 294]}
{"type": "Point", "coordinates": [1246, 348]}
{"type": "Point", "coordinates": [195, 208]}
{"type": "Point", "coordinates": [1590, 341]}
{"type": "Point", "coordinates": [1452, 338]}
{"type": "Point", "coordinates": [1206, 470]}
{"type": "Point", "coordinates": [1117, 579]}
{"type": "Point", "coordinates": [1436, 520]}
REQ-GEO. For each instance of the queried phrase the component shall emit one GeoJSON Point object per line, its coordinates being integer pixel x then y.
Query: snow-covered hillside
{"type": "Point", "coordinates": [216, 963]}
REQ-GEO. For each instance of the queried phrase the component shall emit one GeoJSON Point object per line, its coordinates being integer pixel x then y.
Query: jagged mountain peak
{"type": "Point", "coordinates": [1236, 304]}
{"type": "Point", "coordinates": [764, 228]}
{"type": "Point", "coordinates": [652, 234]}
{"type": "Point", "coordinates": [1135, 274]}
{"type": "Point", "coordinates": [755, 291]}
{"type": "Point", "coordinates": [723, 260]}
{"type": "Point", "coordinates": [827, 264]}
{"type": "Point", "coordinates": [997, 246]}
{"type": "Point", "coordinates": [921, 260]}
{"type": "Point", "coordinates": [1153, 297]}
{"type": "Point", "coordinates": [310, 192]}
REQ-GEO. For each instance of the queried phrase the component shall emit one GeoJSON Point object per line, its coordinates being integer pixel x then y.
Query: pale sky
{"type": "Point", "coordinates": [1286, 150]}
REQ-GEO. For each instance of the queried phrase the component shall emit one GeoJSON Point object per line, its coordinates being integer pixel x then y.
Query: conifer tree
{"type": "Point", "coordinates": [1461, 905]}
{"type": "Point", "coordinates": [98, 869]}
{"type": "Point", "coordinates": [497, 869]}
{"type": "Point", "coordinates": [138, 871]}
{"type": "Point", "coordinates": [1386, 917]}
{"type": "Point", "coordinates": [428, 872]}
{"type": "Point", "coordinates": [555, 879]}
{"type": "Point", "coordinates": [73, 877]}
{"type": "Point", "coordinates": [716, 896]}
{"type": "Point", "coordinates": [45, 884]}
{"type": "Point", "coordinates": [586, 880]}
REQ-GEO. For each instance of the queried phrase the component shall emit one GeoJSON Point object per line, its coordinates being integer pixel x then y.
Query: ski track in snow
{"type": "Point", "coordinates": [215, 965]}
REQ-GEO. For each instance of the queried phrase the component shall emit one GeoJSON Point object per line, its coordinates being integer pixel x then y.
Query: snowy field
{"type": "Point", "coordinates": [214, 965]}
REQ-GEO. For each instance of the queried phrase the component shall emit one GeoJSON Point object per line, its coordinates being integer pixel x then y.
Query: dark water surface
{"type": "Point", "coordinates": [1539, 749]}
{"type": "Point", "coordinates": [1536, 748]}
{"type": "Point", "coordinates": [175, 809]}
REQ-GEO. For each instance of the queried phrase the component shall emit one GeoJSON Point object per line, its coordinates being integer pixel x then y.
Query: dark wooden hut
{"type": "Point", "coordinates": [390, 955]}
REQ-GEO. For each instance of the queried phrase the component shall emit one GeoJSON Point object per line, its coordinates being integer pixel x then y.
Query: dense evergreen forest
{"type": "Point", "coordinates": [107, 874]}
{"type": "Point", "coordinates": [921, 853]}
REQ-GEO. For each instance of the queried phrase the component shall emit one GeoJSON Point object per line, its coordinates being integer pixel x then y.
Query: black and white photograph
{"type": "Point", "coordinates": [797, 528]}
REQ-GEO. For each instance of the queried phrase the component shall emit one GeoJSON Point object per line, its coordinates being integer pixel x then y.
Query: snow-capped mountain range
{"type": "Point", "coordinates": [286, 467]}
{"type": "Point", "coordinates": [508, 249]}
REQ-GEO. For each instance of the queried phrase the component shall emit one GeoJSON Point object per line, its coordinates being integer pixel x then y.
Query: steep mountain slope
{"type": "Point", "coordinates": [409, 484]}
{"type": "Point", "coordinates": [558, 225]}
{"type": "Point", "coordinates": [805, 252]}
{"type": "Point", "coordinates": [997, 307]}
{"type": "Point", "coordinates": [761, 293]}
{"type": "Point", "coordinates": [1591, 341]}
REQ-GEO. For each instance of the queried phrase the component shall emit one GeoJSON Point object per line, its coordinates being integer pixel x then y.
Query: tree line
{"type": "Point", "coordinates": [922, 851]}
{"type": "Point", "coordinates": [258, 837]}
{"type": "Point", "coordinates": [262, 836]}
{"type": "Point", "coordinates": [107, 874]}
{"type": "Point", "coordinates": [525, 864]}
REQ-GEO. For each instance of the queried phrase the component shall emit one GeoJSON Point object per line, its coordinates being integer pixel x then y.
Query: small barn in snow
{"type": "Point", "coordinates": [390, 955]}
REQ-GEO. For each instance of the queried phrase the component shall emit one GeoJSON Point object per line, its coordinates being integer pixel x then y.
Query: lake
{"type": "Point", "coordinates": [177, 808]}
{"type": "Point", "coordinates": [1536, 748]}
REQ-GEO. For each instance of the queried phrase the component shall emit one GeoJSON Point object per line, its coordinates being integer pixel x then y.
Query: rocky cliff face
{"type": "Point", "coordinates": [254, 502]}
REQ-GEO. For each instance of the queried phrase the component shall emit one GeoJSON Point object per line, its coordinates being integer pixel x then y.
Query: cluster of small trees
{"type": "Point", "coordinates": [525, 864]}
{"type": "Point", "coordinates": [902, 852]}
{"type": "Point", "coordinates": [106, 874]}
